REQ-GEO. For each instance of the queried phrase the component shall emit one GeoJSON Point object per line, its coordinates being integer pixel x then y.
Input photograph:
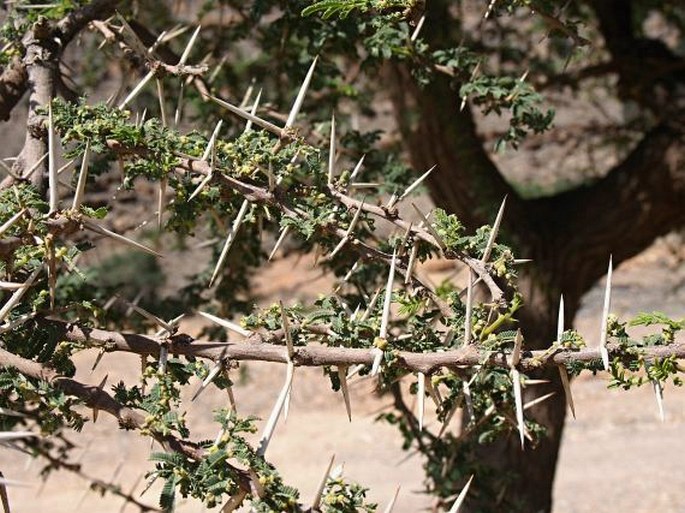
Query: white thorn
{"type": "Point", "coordinates": [516, 382]}
{"type": "Point", "coordinates": [281, 237]}
{"type": "Point", "coordinates": [565, 382]}
{"type": "Point", "coordinates": [125, 240]}
{"type": "Point", "coordinates": [229, 240]}
{"type": "Point", "coordinates": [227, 324]}
{"type": "Point", "coordinates": [391, 504]}
{"type": "Point", "coordinates": [210, 377]}
{"type": "Point", "coordinates": [342, 376]}
{"type": "Point", "coordinates": [161, 96]}
{"type": "Point", "coordinates": [100, 387]}
{"type": "Point", "coordinates": [64, 167]}
{"type": "Point", "coordinates": [82, 179]}
{"type": "Point", "coordinates": [377, 359]}
{"type": "Point", "coordinates": [388, 297]}
{"type": "Point", "coordinates": [416, 183]}
{"type": "Point", "coordinates": [563, 374]}
{"type": "Point", "coordinates": [462, 495]}
{"type": "Point", "coordinates": [171, 324]}
{"type": "Point", "coordinates": [348, 275]}
{"type": "Point", "coordinates": [294, 111]}
{"type": "Point", "coordinates": [161, 197]}
{"type": "Point", "coordinates": [6, 436]}
{"type": "Point", "coordinates": [18, 321]}
{"type": "Point", "coordinates": [430, 228]}
{"type": "Point", "coordinates": [331, 152]}
{"type": "Point", "coordinates": [163, 357]}
{"type": "Point", "coordinates": [33, 168]}
{"type": "Point", "coordinates": [412, 262]}
{"type": "Point", "coordinates": [286, 332]}
{"type": "Point", "coordinates": [248, 95]}
{"type": "Point", "coordinates": [421, 399]}
{"type": "Point", "coordinates": [18, 294]}
{"type": "Point", "coordinates": [201, 186]}
{"type": "Point", "coordinates": [253, 111]}
{"type": "Point", "coordinates": [179, 104]}
{"type": "Point", "coordinates": [659, 394]}
{"type": "Point", "coordinates": [355, 370]}
{"type": "Point", "coordinates": [469, 309]}
{"type": "Point", "coordinates": [149, 316]}
{"type": "Point", "coordinates": [371, 304]}
{"type": "Point", "coordinates": [322, 485]}
{"type": "Point", "coordinates": [12, 482]}
{"type": "Point", "coordinates": [605, 317]}
{"type": "Point", "coordinates": [348, 232]}
{"type": "Point", "coordinates": [392, 201]}
{"type": "Point", "coordinates": [212, 141]}
{"type": "Point", "coordinates": [491, 6]}
{"type": "Point", "coordinates": [246, 115]}
{"type": "Point", "coordinates": [357, 169]}
{"type": "Point", "coordinates": [494, 231]}
{"type": "Point", "coordinates": [136, 90]}
{"type": "Point", "coordinates": [468, 400]}
{"type": "Point", "coordinates": [52, 162]}
{"type": "Point", "coordinates": [189, 47]}
{"type": "Point", "coordinates": [10, 222]}
{"type": "Point", "coordinates": [276, 411]}
{"type": "Point", "coordinates": [418, 28]}
{"type": "Point", "coordinates": [538, 400]}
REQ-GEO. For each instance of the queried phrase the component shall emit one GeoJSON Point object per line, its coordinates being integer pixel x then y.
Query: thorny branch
{"type": "Point", "coordinates": [260, 347]}
{"type": "Point", "coordinates": [99, 399]}
{"type": "Point", "coordinates": [158, 66]}
{"type": "Point", "coordinates": [261, 195]}
{"type": "Point", "coordinates": [94, 483]}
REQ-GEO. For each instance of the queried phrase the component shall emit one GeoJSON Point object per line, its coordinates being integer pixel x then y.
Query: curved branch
{"type": "Point", "coordinates": [12, 87]}
{"type": "Point", "coordinates": [94, 397]}
{"type": "Point", "coordinates": [69, 26]}
{"type": "Point", "coordinates": [639, 200]}
{"type": "Point", "coordinates": [435, 132]}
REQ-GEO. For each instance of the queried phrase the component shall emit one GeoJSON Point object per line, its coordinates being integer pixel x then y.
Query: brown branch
{"type": "Point", "coordinates": [261, 195]}
{"type": "Point", "coordinates": [158, 66]}
{"type": "Point", "coordinates": [259, 347]}
{"type": "Point", "coordinates": [94, 482]}
{"type": "Point", "coordinates": [556, 24]}
{"type": "Point", "coordinates": [637, 201]}
{"type": "Point", "coordinates": [12, 87]}
{"type": "Point", "coordinates": [14, 79]}
{"type": "Point", "coordinates": [95, 397]}
{"type": "Point", "coordinates": [74, 22]}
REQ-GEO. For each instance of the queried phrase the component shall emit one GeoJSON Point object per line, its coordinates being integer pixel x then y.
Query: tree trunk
{"type": "Point", "coordinates": [464, 184]}
{"type": "Point", "coordinates": [569, 237]}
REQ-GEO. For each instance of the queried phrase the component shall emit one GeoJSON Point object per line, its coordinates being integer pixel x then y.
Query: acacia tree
{"type": "Point", "coordinates": [279, 163]}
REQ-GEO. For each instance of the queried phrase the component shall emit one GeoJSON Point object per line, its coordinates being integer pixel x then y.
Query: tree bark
{"type": "Point", "coordinates": [38, 72]}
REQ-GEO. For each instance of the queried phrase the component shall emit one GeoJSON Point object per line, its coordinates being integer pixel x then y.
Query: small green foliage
{"type": "Point", "coordinates": [342, 8]}
{"type": "Point", "coordinates": [450, 229]}
{"type": "Point", "coordinates": [342, 497]}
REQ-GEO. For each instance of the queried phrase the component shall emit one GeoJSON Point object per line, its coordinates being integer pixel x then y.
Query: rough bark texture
{"type": "Point", "coordinates": [569, 236]}
{"type": "Point", "coordinates": [38, 73]}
